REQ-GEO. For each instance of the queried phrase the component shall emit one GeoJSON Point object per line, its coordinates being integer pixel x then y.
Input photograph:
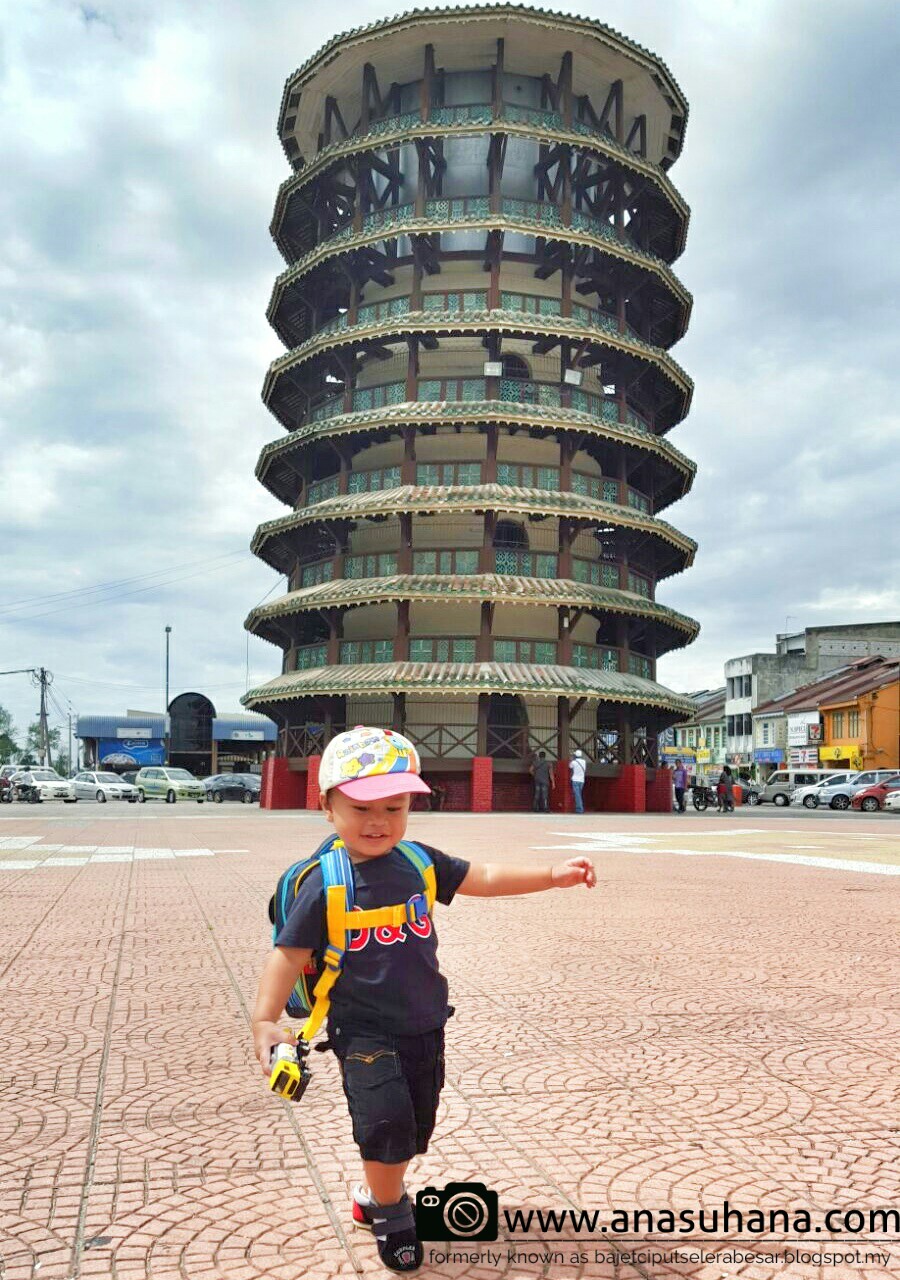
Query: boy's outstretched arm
{"type": "Point", "coordinates": [492, 880]}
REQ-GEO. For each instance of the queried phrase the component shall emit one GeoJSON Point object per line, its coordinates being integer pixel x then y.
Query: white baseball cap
{"type": "Point", "coordinates": [370, 764]}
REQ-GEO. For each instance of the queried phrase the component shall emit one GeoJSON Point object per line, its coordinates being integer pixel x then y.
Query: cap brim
{"type": "Point", "coordinates": [380, 785]}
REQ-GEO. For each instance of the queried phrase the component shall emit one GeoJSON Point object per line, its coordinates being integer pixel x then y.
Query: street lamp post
{"type": "Point", "coordinates": [166, 710]}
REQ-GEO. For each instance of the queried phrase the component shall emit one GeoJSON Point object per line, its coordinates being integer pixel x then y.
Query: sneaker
{"type": "Point", "coordinates": [394, 1227]}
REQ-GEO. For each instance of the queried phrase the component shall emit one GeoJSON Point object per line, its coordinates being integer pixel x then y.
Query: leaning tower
{"type": "Point", "coordinates": [477, 396]}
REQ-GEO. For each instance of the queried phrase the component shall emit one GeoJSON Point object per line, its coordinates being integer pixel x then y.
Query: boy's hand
{"type": "Point", "coordinates": [574, 871]}
{"type": "Point", "coordinates": [265, 1036]}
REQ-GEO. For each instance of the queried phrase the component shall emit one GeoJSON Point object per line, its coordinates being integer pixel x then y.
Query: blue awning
{"type": "Point", "coordinates": [244, 728]}
{"type": "Point", "coordinates": [109, 726]}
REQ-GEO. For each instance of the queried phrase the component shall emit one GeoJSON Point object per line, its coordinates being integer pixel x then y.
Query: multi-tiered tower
{"type": "Point", "coordinates": [477, 394]}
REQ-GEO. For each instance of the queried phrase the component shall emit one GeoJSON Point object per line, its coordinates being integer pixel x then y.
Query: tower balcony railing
{"type": "Point", "coordinates": [436, 562]}
{"type": "Point", "coordinates": [523, 391]}
{"type": "Point", "coordinates": [477, 208]}
{"type": "Point", "coordinates": [470, 301]}
{"type": "Point", "coordinates": [483, 113]}
{"type": "Point", "coordinates": [591, 657]}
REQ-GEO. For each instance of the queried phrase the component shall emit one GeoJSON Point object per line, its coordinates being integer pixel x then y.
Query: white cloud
{"type": "Point", "coordinates": [140, 169]}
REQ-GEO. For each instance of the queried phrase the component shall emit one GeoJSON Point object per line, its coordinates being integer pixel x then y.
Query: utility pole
{"type": "Point", "coordinates": [72, 768]}
{"type": "Point", "coordinates": [166, 709]}
{"type": "Point", "coordinates": [44, 679]}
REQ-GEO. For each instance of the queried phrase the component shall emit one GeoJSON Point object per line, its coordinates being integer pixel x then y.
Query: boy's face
{"type": "Point", "coordinates": [369, 828]}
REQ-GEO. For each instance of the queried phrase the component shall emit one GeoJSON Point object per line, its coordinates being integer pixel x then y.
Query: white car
{"type": "Point", "coordinates": [37, 785]}
{"type": "Point", "coordinates": [839, 797]}
{"type": "Point", "coordinates": [892, 802]}
{"type": "Point", "coordinates": [102, 787]}
{"type": "Point", "coordinates": [817, 793]}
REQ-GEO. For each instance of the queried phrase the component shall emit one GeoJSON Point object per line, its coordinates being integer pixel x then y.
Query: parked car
{"type": "Point", "coordinates": [779, 785]}
{"type": "Point", "coordinates": [892, 802]}
{"type": "Point", "coordinates": [37, 785]}
{"type": "Point", "coordinates": [841, 796]}
{"type": "Point", "coordinates": [808, 796]}
{"type": "Point", "coordinates": [102, 787]}
{"type": "Point", "coordinates": [167, 784]}
{"type": "Point", "coordinates": [871, 799]}
{"type": "Point", "coordinates": [233, 786]}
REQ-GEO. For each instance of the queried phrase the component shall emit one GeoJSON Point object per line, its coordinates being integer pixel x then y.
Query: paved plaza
{"type": "Point", "coordinates": [716, 1021]}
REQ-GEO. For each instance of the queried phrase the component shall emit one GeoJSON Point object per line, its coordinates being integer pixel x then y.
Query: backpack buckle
{"type": "Point", "coordinates": [417, 909]}
{"type": "Point", "coordinates": [333, 958]}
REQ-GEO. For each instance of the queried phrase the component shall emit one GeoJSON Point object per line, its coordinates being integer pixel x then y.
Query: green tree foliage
{"type": "Point", "coordinates": [33, 741]}
{"type": "Point", "coordinates": [9, 748]}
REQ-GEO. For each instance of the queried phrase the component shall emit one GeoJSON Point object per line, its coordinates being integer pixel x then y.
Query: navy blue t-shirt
{"type": "Point", "coordinates": [391, 980]}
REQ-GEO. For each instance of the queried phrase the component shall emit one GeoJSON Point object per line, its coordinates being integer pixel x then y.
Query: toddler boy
{"type": "Point", "coordinates": [389, 1005]}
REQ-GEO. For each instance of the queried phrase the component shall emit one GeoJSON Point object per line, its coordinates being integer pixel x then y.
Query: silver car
{"type": "Point", "coordinates": [839, 797]}
{"type": "Point", "coordinates": [820, 792]}
{"type": "Point", "coordinates": [102, 787]}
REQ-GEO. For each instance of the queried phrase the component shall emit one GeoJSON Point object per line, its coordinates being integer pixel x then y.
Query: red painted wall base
{"type": "Point", "coordinates": [659, 792]}
{"type": "Point", "coordinates": [482, 784]}
{"type": "Point", "coordinates": [281, 789]}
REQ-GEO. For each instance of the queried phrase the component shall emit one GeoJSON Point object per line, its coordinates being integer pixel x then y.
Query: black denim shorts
{"type": "Point", "coordinates": [392, 1084]}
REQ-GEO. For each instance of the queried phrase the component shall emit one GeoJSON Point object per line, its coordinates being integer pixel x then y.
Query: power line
{"type": "Point", "coordinates": [115, 582]}
{"type": "Point", "coordinates": [82, 604]}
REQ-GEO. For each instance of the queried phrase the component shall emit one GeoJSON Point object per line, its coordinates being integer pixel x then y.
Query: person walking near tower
{"type": "Point", "coordinates": [577, 772]}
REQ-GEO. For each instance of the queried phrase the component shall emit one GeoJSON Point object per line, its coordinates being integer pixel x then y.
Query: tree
{"type": "Point", "coordinates": [9, 749]}
{"type": "Point", "coordinates": [33, 741]}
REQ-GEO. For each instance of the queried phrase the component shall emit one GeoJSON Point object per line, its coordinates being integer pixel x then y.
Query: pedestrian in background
{"type": "Point", "coordinates": [577, 771]}
{"type": "Point", "coordinates": [724, 791]}
{"type": "Point", "coordinates": [679, 782]}
{"type": "Point", "coordinates": [542, 778]}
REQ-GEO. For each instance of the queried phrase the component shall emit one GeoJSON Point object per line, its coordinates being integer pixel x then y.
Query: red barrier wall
{"type": "Point", "coordinates": [659, 792]}
{"type": "Point", "coordinates": [312, 781]}
{"type": "Point", "coordinates": [281, 789]}
{"type": "Point", "coordinates": [482, 784]}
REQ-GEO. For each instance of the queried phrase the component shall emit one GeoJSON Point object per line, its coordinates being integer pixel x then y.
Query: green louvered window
{"type": "Point", "coordinates": [448, 473]}
{"type": "Point", "coordinates": [442, 649]}
{"type": "Point", "coordinates": [313, 574]}
{"type": "Point", "coordinates": [594, 657]}
{"type": "Point", "coordinates": [528, 477]}
{"type": "Point", "coordinates": [366, 651]}
{"type": "Point", "coordinates": [639, 584]}
{"type": "Point", "coordinates": [372, 481]}
{"type": "Point", "coordinates": [537, 651]}
{"type": "Point", "coordinates": [371, 566]}
{"type": "Point", "coordinates": [638, 665]}
{"type": "Point", "coordinates": [320, 490]}
{"type": "Point", "coordinates": [595, 572]}
{"type": "Point", "coordinates": [311, 655]}
{"type": "Point", "coordinates": [426, 562]}
{"type": "Point", "coordinates": [529, 564]}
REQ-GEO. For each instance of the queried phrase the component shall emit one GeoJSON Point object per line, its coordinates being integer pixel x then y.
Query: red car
{"type": "Point", "coordinates": [872, 799]}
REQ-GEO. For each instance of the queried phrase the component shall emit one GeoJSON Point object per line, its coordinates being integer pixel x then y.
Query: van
{"type": "Point", "coordinates": [782, 782]}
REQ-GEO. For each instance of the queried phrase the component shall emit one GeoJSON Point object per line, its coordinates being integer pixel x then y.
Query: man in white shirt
{"type": "Point", "coordinates": [577, 771]}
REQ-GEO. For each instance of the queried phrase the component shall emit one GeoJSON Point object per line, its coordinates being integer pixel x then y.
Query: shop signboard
{"type": "Point", "coordinates": [704, 755]}
{"type": "Point", "coordinates": [248, 735]}
{"type": "Point", "coordinates": [799, 726]}
{"type": "Point", "coordinates": [804, 755]}
{"type": "Point", "coordinates": [768, 755]}
{"type": "Point", "coordinates": [676, 753]}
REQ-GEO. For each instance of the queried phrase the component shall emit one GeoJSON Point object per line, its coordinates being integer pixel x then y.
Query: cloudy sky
{"type": "Point", "coordinates": [140, 166]}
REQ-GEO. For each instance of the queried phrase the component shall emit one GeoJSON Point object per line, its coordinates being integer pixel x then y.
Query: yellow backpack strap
{"type": "Point", "coordinates": [338, 877]}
